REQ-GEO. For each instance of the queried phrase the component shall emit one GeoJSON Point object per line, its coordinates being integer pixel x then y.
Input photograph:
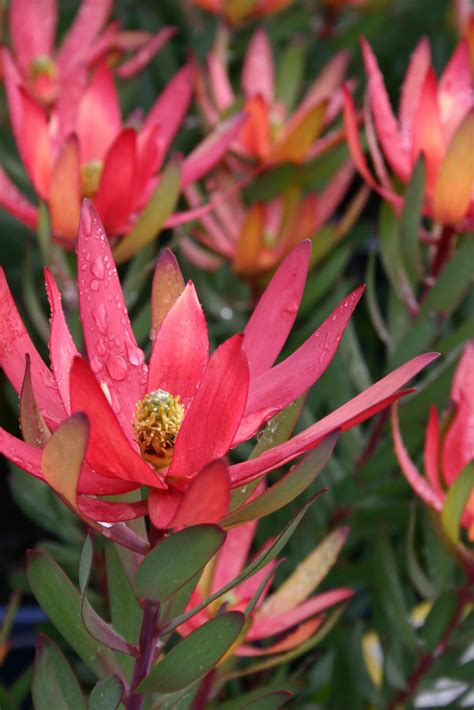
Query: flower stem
{"type": "Point", "coordinates": [147, 643]}
{"type": "Point", "coordinates": [428, 659]}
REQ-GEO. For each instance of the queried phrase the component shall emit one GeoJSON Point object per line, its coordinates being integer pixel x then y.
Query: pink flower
{"type": "Point", "coordinates": [46, 71]}
{"type": "Point", "coordinates": [255, 239]}
{"type": "Point", "coordinates": [270, 136]}
{"type": "Point", "coordinates": [81, 148]}
{"type": "Point", "coordinates": [288, 611]}
{"type": "Point", "coordinates": [235, 11]}
{"type": "Point", "coordinates": [449, 444]}
{"type": "Point", "coordinates": [169, 425]}
{"type": "Point", "coordinates": [436, 120]}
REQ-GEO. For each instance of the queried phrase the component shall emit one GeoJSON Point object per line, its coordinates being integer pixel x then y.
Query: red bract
{"type": "Point", "coordinates": [449, 444]}
{"type": "Point", "coordinates": [235, 11]}
{"type": "Point", "coordinates": [82, 148]}
{"type": "Point", "coordinates": [225, 398]}
{"type": "Point", "coordinates": [436, 120]}
{"type": "Point", "coordinates": [255, 239]}
{"type": "Point", "coordinates": [288, 610]}
{"type": "Point", "coordinates": [270, 136]}
{"type": "Point", "coordinates": [46, 71]}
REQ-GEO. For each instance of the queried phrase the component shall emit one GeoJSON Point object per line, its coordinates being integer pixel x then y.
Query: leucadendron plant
{"type": "Point", "coordinates": [140, 454]}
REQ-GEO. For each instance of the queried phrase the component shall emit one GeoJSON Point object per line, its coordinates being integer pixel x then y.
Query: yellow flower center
{"type": "Point", "coordinates": [90, 177]}
{"type": "Point", "coordinates": [158, 418]}
{"type": "Point", "coordinates": [43, 66]}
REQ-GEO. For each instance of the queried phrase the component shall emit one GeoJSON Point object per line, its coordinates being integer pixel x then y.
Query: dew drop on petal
{"type": "Point", "coordinates": [117, 367]}
{"type": "Point", "coordinates": [99, 314]}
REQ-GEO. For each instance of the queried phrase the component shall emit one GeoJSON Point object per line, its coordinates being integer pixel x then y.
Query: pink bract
{"type": "Point", "coordinates": [449, 444]}
{"type": "Point", "coordinates": [435, 120]}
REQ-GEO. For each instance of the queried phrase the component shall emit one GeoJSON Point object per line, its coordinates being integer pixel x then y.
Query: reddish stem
{"type": "Point", "coordinates": [147, 644]}
{"type": "Point", "coordinates": [428, 659]}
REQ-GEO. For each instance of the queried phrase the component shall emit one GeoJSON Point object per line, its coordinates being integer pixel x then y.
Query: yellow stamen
{"type": "Point", "coordinates": [90, 177]}
{"type": "Point", "coordinates": [158, 418]}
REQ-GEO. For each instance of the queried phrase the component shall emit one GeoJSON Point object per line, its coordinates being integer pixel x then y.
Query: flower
{"type": "Point", "coordinates": [436, 120]}
{"type": "Point", "coordinates": [289, 610]}
{"type": "Point", "coordinates": [255, 239]}
{"type": "Point", "coordinates": [271, 135]}
{"type": "Point", "coordinates": [449, 443]}
{"type": "Point", "coordinates": [83, 411]}
{"type": "Point", "coordinates": [235, 11]}
{"type": "Point", "coordinates": [81, 148]}
{"type": "Point", "coordinates": [46, 71]}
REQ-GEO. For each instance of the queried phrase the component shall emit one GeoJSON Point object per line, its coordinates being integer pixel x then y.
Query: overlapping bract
{"type": "Point", "coordinates": [255, 239]}
{"type": "Point", "coordinates": [227, 396]}
{"type": "Point", "coordinates": [436, 120]}
{"type": "Point", "coordinates": [449, 443]}
{"type": "Point", "coordinates": [80, 147]}
{"type": "Point", "coordinates": [288, 613]}
{"type": "Point", "coordinates": [272, 134]}
{"type": "Point", "coordinates": [46, 71]}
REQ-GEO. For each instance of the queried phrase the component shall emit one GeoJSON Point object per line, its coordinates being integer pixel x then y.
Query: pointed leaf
{"type": "Point", "coordinates": [61, 602]}
{"type": "Point", "coordinates": [392, 259]}
{"type": "Point", "coordinates": [168, 285]}
{"type": "Point", "coordinates": [33, 427]}
{"type": "Point", "coordinates": [455, 502]}
{"type": "Point", "coordinates": [290, 75]}
{"type": "Point", "coordinates": [159, 207]}
{"type": "Point", "coordinates": [287, 488]}
{"type": "Point", "coordinates": [195, 655]}
{"type": "Point", "coordinates": [97, 627]}
{"type": "Point", "coordinates": [410, 225]}
{"type": "Point", "coordinates": [454, 280]}
{"type": "Point", "coordinates": [175, 560]}
{"type": "Point", "coordinates": [308, 575]}
{"type": "Point", "coordinates": [106, 695]}
{"type": "Point", "coordinates": [63, 456]}
{"type": "Point", "coordinates": [54, 684]}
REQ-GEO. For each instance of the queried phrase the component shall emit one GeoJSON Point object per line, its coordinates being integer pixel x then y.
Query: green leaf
{"type": "Point", "coordinates": [389, 593]}
{"type": "Point", "coordinates": [454, 280]}
{"type": "Point", "coordinates": [389, 230]}
{"type": "Point", "coordinates": [96, 626]}
{"type": "Point", "coordinates": [106, 695]}
{"type": "Point", "coordinates": [54, 685]}
{"type": "Point", "coordinates": [375, 314]}
{"type": "Point", "coordinates": [439, 619]}
{"type": "Point", "coordinates": [411, 221]}
{"type": "Point", "coordinates": [61, 602]}
{"type": "Point", "coordinates": [455, 502]}
{"type": "Point", "coordinates": [287, 488]}
{"type": "Point", "coordinates": [159, 207]}
{"type": "Point", "coordinates": [176, 560]}
{"type": "Point", "coordinates": [269, 553]}
{"type": "Point", "coordinates": [417, 575]}
{"type": "Point", "coordinates": [290, 75]}
{"type": "Point", "coordinates": [125, 612]}
{"type": "Point", "coordinates": [277, 431]}
{"type": "Point", "coordinates": [195, 655]}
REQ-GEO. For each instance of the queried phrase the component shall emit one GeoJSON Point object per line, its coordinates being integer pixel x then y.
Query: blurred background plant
{"type": "Point", "coordinates": [403, 639]}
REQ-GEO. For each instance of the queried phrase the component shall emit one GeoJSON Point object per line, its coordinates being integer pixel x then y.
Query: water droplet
{"type": "Point", "coordinates": [99, 314]}
{"type": "Point", "coordinates": [117, 367]}
{"type": "Point", "coordinates": [98, 268]}
{"type": "Point", "coordinates": [95, 285]}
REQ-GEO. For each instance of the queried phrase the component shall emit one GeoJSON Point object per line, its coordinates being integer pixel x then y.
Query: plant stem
{"type": "Point", "coordinates": [428, 659]}
{"type": "Point", "coordinates": [147, 642]}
